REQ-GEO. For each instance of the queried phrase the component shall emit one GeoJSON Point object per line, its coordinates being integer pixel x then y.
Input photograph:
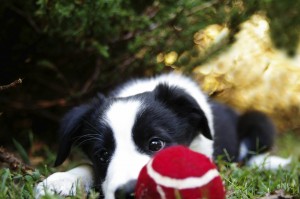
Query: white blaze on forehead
{"type": "Point", "coordinates": [171, 79]}
{"type": "Point", "coordinates": [121, 116]}
{"type": "Point", "coordinates": [126, 161]}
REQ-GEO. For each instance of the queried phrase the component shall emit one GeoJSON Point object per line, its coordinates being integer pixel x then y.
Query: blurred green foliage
{"type": "Point", "coordinates": [68, 50]}
{"type": "Point", "coordinates": [284, 23]}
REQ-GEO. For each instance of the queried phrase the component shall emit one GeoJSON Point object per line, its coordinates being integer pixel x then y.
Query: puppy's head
{"type": "Point", "coordinates": [120, 135]}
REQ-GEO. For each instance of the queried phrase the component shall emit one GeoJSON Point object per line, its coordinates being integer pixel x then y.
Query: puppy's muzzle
{"type": "Point", "coordinates": [126, 191]}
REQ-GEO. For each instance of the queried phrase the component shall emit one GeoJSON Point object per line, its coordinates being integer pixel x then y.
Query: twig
{"type": "Point", "coordinates": [28, 18]}
{"type": "Point", "coordinates": [11, 85]}
{"type": "Point", "coordinates": [13, 162]}
{"type": "Point", "coordinates": [88, 84]}
{"type": "Point", "coordinates": [129, 60]}
{"type": "Point", "coordinates": [39, 104]}
{"type": "Point", "coordinates": [202, 7]}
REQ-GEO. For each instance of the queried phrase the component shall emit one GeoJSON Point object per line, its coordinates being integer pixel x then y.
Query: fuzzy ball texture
{"type": "Point", "coordinates": [178, 172]}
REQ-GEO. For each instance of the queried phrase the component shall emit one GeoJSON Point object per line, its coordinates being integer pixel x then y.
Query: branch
{"type": "Point", "coordinates": [39, 104]}
{"type": "Point", "coordinates": [11, 85]}
{"type": "Point", "coordinates": [28, 18]}
{"type": "Point", "coordinates": [88, 84]}
{"type": "Point", "coordinates": [202, 7]}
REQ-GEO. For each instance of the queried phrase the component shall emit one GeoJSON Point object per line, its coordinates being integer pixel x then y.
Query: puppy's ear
{"type": "Point", "coordinates": [184, 105]}
{"type": "Point", "coordinates": [71, 127]}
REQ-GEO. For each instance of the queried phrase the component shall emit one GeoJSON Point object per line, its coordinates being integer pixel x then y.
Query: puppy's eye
{"type": "Point", "coordinates": [103, 156]}
{"type": "Point", "coordinates": [156, 144]}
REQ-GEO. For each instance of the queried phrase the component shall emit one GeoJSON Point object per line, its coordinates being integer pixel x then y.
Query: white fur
{"type": "Point", "coordinates": [65, 183]}
{"type": "Point", "coordinates": [126, 161]}
{"type": "Point", "coordinates": [121, 116]}
{"type": "Point", "coordinates": [243, 151]}
{"type": "Point", "coordinates": [269, 162]}
{"type": "Point", "coordinates": [202, 145]}
{"type": "Point", "coordinates": [172, 79]}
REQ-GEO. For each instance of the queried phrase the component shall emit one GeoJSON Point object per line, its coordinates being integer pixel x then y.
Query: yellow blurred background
{"type": "Point", "coordinates": [251, 73]}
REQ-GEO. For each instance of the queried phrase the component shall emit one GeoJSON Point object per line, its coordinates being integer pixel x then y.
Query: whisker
{"type": "Point", "coordinates": [77, 138]}
{"type": "Point", "coordinates": [84, 141]}
{"type": "Point", "coordinates": [87, 137]}
{"type": "Point", "coordinates": [90, 125]}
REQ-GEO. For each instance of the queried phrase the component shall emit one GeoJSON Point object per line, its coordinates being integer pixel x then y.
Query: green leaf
{"type": "Point", "coordinates": [102, 49]}
{"type": "Point", "coordinates": [22, 151]}
{"type": "Point", "coordinates": [4, 176]}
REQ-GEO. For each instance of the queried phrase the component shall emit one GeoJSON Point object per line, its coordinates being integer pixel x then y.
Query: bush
{"type": "Point", "coordinates": [68, 50]}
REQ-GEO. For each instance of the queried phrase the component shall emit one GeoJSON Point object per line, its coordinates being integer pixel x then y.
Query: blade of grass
{"type": "Point", "coordinates": [21, 151]}
{"type": "Point", "coordinates": [4, 178]}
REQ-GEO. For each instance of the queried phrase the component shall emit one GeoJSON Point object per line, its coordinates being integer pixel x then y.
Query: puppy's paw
{"type": "Point", "coordinates": [269, 162]}
{"type": "Point", "coordinates": [62, 183]}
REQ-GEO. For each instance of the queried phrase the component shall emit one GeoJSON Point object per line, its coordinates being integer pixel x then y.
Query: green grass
{"type": "Point", "coordinates": [240, 182]}
{"type": "Point", "coordinates": [248, 182]}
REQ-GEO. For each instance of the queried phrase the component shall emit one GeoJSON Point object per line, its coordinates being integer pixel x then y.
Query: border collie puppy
{"type": "Point", "coordinates": [121, 132]}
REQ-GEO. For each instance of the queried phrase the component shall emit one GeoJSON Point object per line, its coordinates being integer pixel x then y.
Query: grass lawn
{"type": "Point", "coordinates": [241, 182]}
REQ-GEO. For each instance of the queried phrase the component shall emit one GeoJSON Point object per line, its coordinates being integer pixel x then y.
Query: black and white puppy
{"type": "Point", "coordinates": [121, 132]}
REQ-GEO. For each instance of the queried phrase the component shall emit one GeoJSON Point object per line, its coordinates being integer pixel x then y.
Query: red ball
{"type": "Point", "coordinates": [178, 172]}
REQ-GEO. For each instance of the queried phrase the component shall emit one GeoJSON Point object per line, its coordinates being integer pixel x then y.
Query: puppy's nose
{"type": "Point", "coordinates": [126, 191]}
